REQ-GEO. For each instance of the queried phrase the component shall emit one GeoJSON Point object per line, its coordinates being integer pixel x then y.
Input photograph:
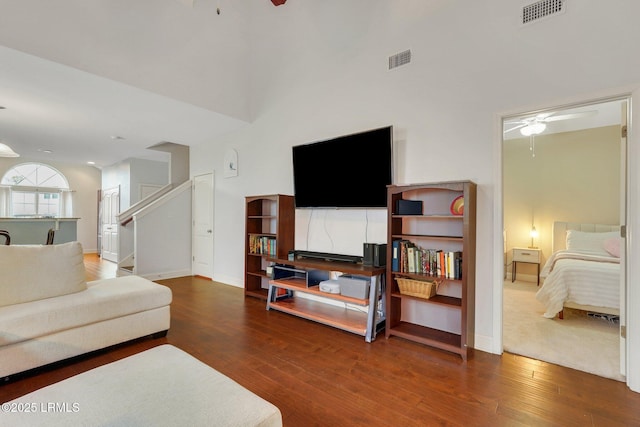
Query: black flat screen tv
{"type": "Point", "coordinates": [350, 171]}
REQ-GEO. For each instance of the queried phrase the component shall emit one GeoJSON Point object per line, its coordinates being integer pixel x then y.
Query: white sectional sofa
{"type": "Point", "coordinates": [48, 312]}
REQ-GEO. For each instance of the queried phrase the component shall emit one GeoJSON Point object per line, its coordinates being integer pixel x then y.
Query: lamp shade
{"type": "Point", "coordinates": [6, 151]}
{"type": "Point", "coordinates": [534, 235]}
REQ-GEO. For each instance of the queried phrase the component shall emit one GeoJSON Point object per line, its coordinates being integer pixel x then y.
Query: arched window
{"type": "Point", "coordinates": [33, 190]}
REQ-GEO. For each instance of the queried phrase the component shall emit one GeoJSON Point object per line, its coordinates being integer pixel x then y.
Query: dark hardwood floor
{"type": "Point", "coordinates": [321, 376]}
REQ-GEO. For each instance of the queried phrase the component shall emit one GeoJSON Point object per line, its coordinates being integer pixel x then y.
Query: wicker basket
{"type": "Point", "coordinates": [418, 288]}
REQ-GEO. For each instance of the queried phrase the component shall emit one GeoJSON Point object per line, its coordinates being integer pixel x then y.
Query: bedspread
{"type": "Point", "coordinates": [580, 278]}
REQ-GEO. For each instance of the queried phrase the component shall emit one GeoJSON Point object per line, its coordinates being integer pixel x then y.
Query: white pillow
{"type": "Point", "coordinates": [34, 272]}
{"type": "Point", "coordinates": [589, 242]}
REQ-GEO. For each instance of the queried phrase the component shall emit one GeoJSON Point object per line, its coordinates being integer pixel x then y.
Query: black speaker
{"type": "Point", "coordinates": [409, 207]}
{"type": "Point", "coordinates": [375, 254]}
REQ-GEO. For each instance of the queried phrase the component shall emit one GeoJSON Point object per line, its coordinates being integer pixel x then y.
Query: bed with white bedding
{"type": "Point", "coordinates": [583, 271]}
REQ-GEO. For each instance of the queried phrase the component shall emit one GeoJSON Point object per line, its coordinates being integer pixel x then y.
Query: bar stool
{"type": "Point", "coordinates": [50, 236]}
{"type": "Point", "coordinates": [7, 237]}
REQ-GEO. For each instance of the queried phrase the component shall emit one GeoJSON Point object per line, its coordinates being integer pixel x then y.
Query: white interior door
{"type": "Point", "coordinates": [110, 211]}
{"type": "Point", "coordinates": [202, 263]}
{"type": "Point", "coordinates": [623, 245]}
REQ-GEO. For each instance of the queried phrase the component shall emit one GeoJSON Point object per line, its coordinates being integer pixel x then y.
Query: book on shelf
{"type": "Point", "coordinates": [411, 259]}
{"type": "Point", "coordinates": [404, 262]}
{"type": "Point", "coordinates": [262, 245]}
{"type": "Point", "coordinates": [408, 257]}
{"type": "Point", "coordinates": [395, 246]}
{"type": "Point", "coordinates": [457, 265]}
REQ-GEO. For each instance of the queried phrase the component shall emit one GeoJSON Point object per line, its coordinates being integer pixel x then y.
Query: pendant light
{"type": "Point", "coordinates": [6, 151]}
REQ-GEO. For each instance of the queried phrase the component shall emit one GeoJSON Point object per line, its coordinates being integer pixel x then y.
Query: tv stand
{"type": "Point", "coordinates": [328, 256]}
{"type": "Point", "coordinates": [292, 280]}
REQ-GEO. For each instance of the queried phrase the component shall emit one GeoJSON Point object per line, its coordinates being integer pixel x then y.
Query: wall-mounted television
{"type": "Point", "coordinates": [350, 171]}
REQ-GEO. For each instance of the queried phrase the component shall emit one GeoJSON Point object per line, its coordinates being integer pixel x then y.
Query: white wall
{"type": "Point", "coordinates": [320, 70]}
{"type": "Point", "coordinates": [85, 181]}
{"type": "Point", "coordinates": [340, 231]}
{"type": "Point", "coordinates": [129, 174]}
{"type": "Point", "coordinates": [162, 233]}
{"type": "Point", "coordinates": [146, 172]}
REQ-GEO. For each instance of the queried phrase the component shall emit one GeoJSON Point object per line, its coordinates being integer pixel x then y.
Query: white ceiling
{"type": "Point", "coordinates": [76, 115]}
{"type": "Point", "coordinates": [80, 117]}
{"type": "Point", "coordinates": [180, 52]}
{"type": "Point", "coordinates": [73, 75]}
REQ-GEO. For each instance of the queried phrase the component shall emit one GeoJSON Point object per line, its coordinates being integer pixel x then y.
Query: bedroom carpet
{"type": "Point", "coordinates": [578, 341]}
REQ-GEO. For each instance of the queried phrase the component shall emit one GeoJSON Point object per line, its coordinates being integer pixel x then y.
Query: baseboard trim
{"type": "Point", "coordinates": [167, 274]}
{"type": "Point", "coordinates": [228, 280]}
{"type": "Point", "coordinates": [484, 343]}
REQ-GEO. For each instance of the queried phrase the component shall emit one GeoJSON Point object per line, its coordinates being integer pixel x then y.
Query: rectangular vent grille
{"type": "Point", "coordinates": [542, 9]}
{"type": "Point", "coordinates": [399, 59]}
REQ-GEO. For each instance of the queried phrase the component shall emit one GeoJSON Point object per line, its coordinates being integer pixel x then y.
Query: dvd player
{"type": "Point", "coordinates": [328, 256]}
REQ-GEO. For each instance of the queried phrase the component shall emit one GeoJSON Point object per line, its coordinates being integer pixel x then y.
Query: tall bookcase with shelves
{"type": "Point", "coordinates": [269, 233]}
{"type": "Point", "coordinates": [444, 229]}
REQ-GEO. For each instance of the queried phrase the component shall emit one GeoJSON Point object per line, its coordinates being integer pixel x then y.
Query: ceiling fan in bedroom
{"type": "Point", "coordinates": [535, 125]}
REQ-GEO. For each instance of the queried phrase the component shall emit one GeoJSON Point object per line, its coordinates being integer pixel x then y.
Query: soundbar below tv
{"type": "Point", "coordinates": [351, 171]}
{"type": "Point", "coordinates": [326, 256]}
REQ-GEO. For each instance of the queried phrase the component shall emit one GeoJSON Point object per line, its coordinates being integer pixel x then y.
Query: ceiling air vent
{"type": "Point", "coordinates": [542, 9]}
{"type": "Point", "coordinates": [399, 59]}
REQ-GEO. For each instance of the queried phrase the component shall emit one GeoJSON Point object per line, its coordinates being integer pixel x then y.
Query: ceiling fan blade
{"type": "Point", "coordinates": [515, 127]}
{"type": "Point", "coordinates": [568, 116]}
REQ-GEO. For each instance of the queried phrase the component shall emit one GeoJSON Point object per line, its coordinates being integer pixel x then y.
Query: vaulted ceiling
{"type": "Point", "coordinates": [103, 80]}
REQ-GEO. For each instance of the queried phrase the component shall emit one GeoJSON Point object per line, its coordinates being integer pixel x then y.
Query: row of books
{"type": "Point", "coordinates": [408, 257]}
{"type": "Point", "coordinates": [262, 245]}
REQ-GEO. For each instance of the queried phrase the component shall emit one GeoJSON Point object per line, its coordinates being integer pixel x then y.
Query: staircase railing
{"type": "Point", "coordinates": [127, 215]}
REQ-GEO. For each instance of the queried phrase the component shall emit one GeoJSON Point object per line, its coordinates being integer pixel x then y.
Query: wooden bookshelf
{"type": "Point", "coordinates": [438, 229]}
{"type": "Point", "coordinates": [269, 233]}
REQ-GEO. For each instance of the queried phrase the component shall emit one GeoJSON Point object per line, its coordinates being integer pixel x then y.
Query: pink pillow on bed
{"type": "Point", "coordinates": [613, 246]}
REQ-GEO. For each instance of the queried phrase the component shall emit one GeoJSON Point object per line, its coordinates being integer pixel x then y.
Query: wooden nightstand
{"type": "Point", "coordinates": [526, 255]}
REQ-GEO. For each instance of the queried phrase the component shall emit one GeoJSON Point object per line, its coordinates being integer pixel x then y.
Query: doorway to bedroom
{"type": "Point", "coordinates": [565, 164]}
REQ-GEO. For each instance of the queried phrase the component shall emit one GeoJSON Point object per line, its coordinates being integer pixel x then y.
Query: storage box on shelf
{"type": "Point", "coordinates": [417, 288]}
{"type": "Point", "coordinates": [295, 279]}
{"type": "Point", "coordinates": [436, 245]}
{"type": "Point", "coordinates": [270, 226]}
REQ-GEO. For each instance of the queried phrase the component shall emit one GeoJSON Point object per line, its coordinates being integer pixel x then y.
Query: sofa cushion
{"type": "Point", "coordinates": [102, 300]}
{"type": "Point", "coordinates": [162, 386]}
{"type": "Point", "coordinates": [34, 272]}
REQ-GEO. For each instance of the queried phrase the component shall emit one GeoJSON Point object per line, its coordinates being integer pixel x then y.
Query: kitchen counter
{"type": "Point", "coordinates": [33, 231]}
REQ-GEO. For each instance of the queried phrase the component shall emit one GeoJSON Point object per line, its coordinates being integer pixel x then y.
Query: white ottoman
{"type": "Point", "coordinates": [163, 386]}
